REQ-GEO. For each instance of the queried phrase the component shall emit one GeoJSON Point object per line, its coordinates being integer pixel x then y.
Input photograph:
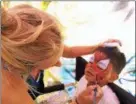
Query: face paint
{"type": "Point", "coordinates": [99, 63]}
{"type": "Point", "coordinates": [92, 59]}
{"type": "Point", "coordinates": [103, 64]}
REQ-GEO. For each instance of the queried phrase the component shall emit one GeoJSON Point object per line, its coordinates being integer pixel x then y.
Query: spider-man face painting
{"type": "Point", "coordinates": [99, 69]}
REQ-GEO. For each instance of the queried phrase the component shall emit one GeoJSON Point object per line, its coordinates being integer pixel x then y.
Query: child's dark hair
{"type": "Point", "coordinates": [117, 58]}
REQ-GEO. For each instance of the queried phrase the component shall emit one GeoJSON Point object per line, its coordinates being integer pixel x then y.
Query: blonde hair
{"type": "Point", "coordinates": [22, 27]}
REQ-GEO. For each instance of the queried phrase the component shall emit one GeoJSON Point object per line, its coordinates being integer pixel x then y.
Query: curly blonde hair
{"type": "Point", "coordinates": [22, 27]}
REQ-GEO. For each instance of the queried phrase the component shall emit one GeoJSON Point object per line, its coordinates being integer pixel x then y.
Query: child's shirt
{"type": "Point", "coordinates": [109, 97]}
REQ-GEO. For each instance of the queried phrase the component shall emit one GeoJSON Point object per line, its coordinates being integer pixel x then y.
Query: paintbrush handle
{"type": "Point", "coordinates": [95, 92]}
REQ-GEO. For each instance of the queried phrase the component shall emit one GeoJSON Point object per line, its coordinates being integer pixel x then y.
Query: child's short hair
{"type": "Point", "coordinates": [117, 58]}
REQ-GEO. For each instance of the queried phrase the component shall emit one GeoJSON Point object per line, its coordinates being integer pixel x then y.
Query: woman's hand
{"type": "Point", "coordinates": [87, 96]}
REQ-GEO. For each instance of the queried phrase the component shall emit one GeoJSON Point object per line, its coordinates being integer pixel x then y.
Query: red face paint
{"type": "Point", "coordinates": [99, 72]}
{"type": "Point", "coordinates": [98, 56]}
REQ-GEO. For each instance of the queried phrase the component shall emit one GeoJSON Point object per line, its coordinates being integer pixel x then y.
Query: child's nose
{"type": "Point", "coordinates": [95, 68]}
{"type": "Point", "coordinates": [99, 76]}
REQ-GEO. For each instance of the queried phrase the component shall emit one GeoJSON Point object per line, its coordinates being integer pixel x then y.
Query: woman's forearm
{"type": "Point", "coordinates": [71, 52]}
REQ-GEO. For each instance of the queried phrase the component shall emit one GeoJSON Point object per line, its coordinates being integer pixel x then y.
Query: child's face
{"type": "Point", "coordinates": [99, 69]}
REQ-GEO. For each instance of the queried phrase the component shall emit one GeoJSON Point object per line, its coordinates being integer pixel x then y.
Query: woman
{"type": "Point", "coordinates": [31, 39]}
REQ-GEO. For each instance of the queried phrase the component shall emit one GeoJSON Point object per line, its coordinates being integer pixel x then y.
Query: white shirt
{"type": "Point", "coordinates": [109, 97]}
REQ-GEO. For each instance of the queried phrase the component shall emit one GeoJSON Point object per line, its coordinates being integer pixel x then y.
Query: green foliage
{"type": "Point", "coordinates": [5, 3]}
{"type": "Point", "coordinates": [44, 4]}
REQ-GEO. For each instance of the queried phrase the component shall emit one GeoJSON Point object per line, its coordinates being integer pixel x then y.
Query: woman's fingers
{"type": "Point", "coordinates": [87, 96]}
{"type": "Point", "coordinates": [99, 91]}
{"type": "Point", "coordinates": [115, 40]}
{"type": "Point", "coordinates": [111, 41]}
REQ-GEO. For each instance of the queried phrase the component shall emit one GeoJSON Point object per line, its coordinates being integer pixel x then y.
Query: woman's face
{"type": "Point", "coordinates": [99, 69]}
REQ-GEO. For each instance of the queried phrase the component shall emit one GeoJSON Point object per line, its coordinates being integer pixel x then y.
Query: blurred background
{"type": "Point", "coordinates": [88, 23]}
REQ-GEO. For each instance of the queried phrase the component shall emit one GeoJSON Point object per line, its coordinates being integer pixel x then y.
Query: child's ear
{"type": "Point", "coordinates": [113, 77]}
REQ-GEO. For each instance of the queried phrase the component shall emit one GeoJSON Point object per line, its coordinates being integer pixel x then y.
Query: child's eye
{"type": "Point", "coordinates": [103, 64]}
{"type": "Point", "coordinates": [92, 58]}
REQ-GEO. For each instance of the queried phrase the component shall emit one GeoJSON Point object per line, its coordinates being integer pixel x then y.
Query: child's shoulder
{"type": "Point", "coordinates": [109, 97]}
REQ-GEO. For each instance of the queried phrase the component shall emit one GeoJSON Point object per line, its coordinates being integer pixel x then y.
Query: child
{"type": "Point", "coordinates": [104, 68]}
